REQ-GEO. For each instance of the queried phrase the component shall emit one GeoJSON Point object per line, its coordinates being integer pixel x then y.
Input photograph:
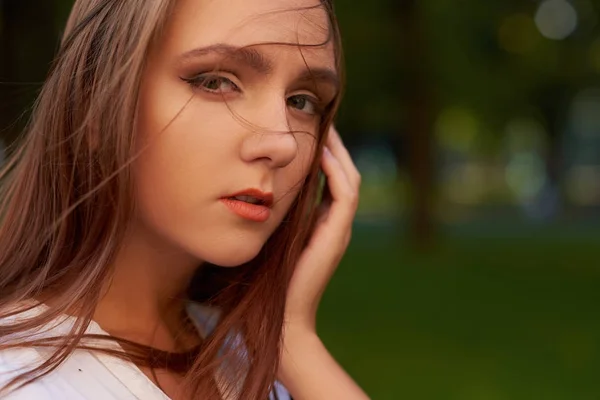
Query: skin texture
{"type": "Point", "coordinates": [211, 125]}
{"type": "Point", "coordinates": [195, 149]}
{"type": "Point", "coordinates": [205, 153]}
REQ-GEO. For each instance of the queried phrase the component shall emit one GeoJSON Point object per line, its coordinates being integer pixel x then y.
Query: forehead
{"type": "Point", "coordinates": [198, 23]}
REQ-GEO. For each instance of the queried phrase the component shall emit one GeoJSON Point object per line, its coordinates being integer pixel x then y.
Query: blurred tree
{"type": "Point", "coordinates": [418, 100]}
{"type": "Point", "coordinates": [389, 92]}
{"type": "Point", "coordinates": [372, 104]}
{"type": "Point", "coordinates": [491, 58]}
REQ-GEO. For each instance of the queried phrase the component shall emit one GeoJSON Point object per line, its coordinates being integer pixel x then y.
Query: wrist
{"type": "Point", "coordinates": [298, 341]}
{"type": "Point", "coordinates": [299, 331]}
{"type": "Point", "coordinates": [299, 323]}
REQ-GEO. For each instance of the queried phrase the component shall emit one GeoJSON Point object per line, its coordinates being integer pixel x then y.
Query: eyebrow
{"type": "Point", "coordinates": [257, 61]}
{"type": "Point", "coordinates": [245, 55]}
{"type": "Point", "coordinates": [325, 75]}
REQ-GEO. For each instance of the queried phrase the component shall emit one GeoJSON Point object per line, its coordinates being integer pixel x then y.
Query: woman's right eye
{"type": "Point", "coordinates": [213, 84]}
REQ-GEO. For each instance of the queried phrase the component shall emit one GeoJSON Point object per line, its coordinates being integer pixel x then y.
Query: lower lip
{"type": "Point", "coordinates": [252, 212]}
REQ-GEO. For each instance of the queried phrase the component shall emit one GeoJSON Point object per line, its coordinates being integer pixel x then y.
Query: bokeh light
{"type": "Point", "coordinates": [583, 185]}
{"type": "Point", "coordinates": [526, 146]}
{"type": "Point", "coordinates": [381, 183]}
{"type": "Point", "coordinates": [456, 129]}
{"type": "Point", "coordinates": [556, 19]}
{"type": "Point", "coordinates": [526, 176]}
{"type": "Point", "coordinates": [518, 34]}
{"type": "Point", "coordinates": [465, 184]}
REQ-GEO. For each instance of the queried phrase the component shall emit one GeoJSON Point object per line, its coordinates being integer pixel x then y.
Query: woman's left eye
{"type": "Point", "coordinates": [304, 103]}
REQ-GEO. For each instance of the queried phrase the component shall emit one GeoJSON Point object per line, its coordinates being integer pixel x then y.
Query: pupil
{"type": "Point", "coordinates": [213, 84]}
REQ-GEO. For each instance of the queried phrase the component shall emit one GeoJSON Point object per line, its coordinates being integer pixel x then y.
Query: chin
{"type": "Point", "coordinates": [233, 256]}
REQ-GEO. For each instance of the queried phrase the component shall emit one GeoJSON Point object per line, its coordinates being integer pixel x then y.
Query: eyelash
{"type": "Point", "coordinates": [200, 81]}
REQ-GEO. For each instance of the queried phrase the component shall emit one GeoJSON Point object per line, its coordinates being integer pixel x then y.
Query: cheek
{"type": "Point", "coordinates": [168, 172]}
{"type": "Point", "coordinates": [179, 138]}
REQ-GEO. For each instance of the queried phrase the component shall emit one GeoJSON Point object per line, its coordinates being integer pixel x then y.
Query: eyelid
{"type": "Point", "coordinates": [319, 107]}
{"type": "Point", "coordinates": [319, 104]}
{"type": "Point", "coordinates": [212, 74]}
{"type": "Point", "coordinates": [306, 92]}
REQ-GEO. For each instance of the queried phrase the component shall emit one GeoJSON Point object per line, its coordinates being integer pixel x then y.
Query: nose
{"type": "Point", "coordinates": [276, 146]}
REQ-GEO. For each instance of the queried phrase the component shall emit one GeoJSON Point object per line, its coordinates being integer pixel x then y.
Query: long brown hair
{"type": "Point", "coordinates": [66, 201]}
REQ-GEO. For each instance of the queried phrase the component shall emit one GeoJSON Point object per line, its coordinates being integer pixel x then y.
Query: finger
{"type": "Point", "coordinates": [339, 150]}
{"type": "Point", "coordinates": [343, 193]}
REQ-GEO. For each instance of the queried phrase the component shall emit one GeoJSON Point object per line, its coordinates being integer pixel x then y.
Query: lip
{"type": "Point", "coordinates": [252, 212]}
{"type": "Point", "coordinates": [265, 197]}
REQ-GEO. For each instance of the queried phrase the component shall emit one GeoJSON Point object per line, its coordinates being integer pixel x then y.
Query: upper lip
{"type": "Point", "coordinates": [266, 198]}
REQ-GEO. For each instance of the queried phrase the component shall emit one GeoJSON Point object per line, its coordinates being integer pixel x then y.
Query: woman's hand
{"type": "Point", "coordinates": [306, 368]}
{"type": "Point", "coordinates": [330, 238]}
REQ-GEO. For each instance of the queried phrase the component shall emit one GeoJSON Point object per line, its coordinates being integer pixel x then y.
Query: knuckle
{"type": "Point", "coordinates": [353, 197]}
{"type": "Point", "coordinates": [358, 178]}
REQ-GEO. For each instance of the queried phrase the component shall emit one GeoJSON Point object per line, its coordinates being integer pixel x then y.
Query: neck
{"type": "Point", "coordinates": [146, 297]}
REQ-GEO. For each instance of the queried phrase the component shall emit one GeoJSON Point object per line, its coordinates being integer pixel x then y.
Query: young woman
{"type": "Point", "coordinates": [163, 231]}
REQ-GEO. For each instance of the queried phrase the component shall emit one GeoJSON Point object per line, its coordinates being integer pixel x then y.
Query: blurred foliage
{"type": "Point", "coordinates": [488, 56]}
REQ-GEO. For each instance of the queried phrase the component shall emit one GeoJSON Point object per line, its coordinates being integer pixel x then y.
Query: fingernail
{"type": "Point", "coordinates": [326, 151]}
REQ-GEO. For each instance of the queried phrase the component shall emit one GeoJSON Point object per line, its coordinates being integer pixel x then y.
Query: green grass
{"type": "Point", "coordinates": [479, 318]}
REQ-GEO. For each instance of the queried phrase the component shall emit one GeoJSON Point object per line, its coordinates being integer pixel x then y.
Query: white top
{"type": "Point", "coordinates": [87, 375]}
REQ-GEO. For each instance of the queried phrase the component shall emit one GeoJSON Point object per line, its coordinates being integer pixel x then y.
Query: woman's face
{"type": "Point", "coordinates": [229, 133]}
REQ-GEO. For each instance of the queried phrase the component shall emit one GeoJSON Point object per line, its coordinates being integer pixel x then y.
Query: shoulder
{"type": "Point", "coordinates": [65, 382]}
{"type": "Point", "coordinates": [14, 362]}
{"type": "Point", "coordinates": [82, 376]}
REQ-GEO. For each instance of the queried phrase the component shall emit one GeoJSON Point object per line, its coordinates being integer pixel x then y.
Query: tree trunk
{"type": "Point", "coordinates": [418, 99]}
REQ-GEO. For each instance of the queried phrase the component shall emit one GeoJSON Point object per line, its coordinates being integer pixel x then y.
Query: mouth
{"type": "Point", "coordinates": [251, 204]}
{"type": "Point", "coordinates": [254, 197]}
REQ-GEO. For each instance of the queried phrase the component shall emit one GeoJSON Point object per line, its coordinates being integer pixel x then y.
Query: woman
{"type": "Point", "coordinates": [161, 230]}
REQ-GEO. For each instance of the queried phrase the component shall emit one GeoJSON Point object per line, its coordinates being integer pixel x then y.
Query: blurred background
{"type": "Point", "coordinates": [473, 273]}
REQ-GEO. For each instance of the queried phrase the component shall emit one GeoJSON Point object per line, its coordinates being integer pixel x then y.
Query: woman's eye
{"type": "Point", "coordinates": [305, 104]}
{"type": "Point", "coordinates": [213, 84]}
